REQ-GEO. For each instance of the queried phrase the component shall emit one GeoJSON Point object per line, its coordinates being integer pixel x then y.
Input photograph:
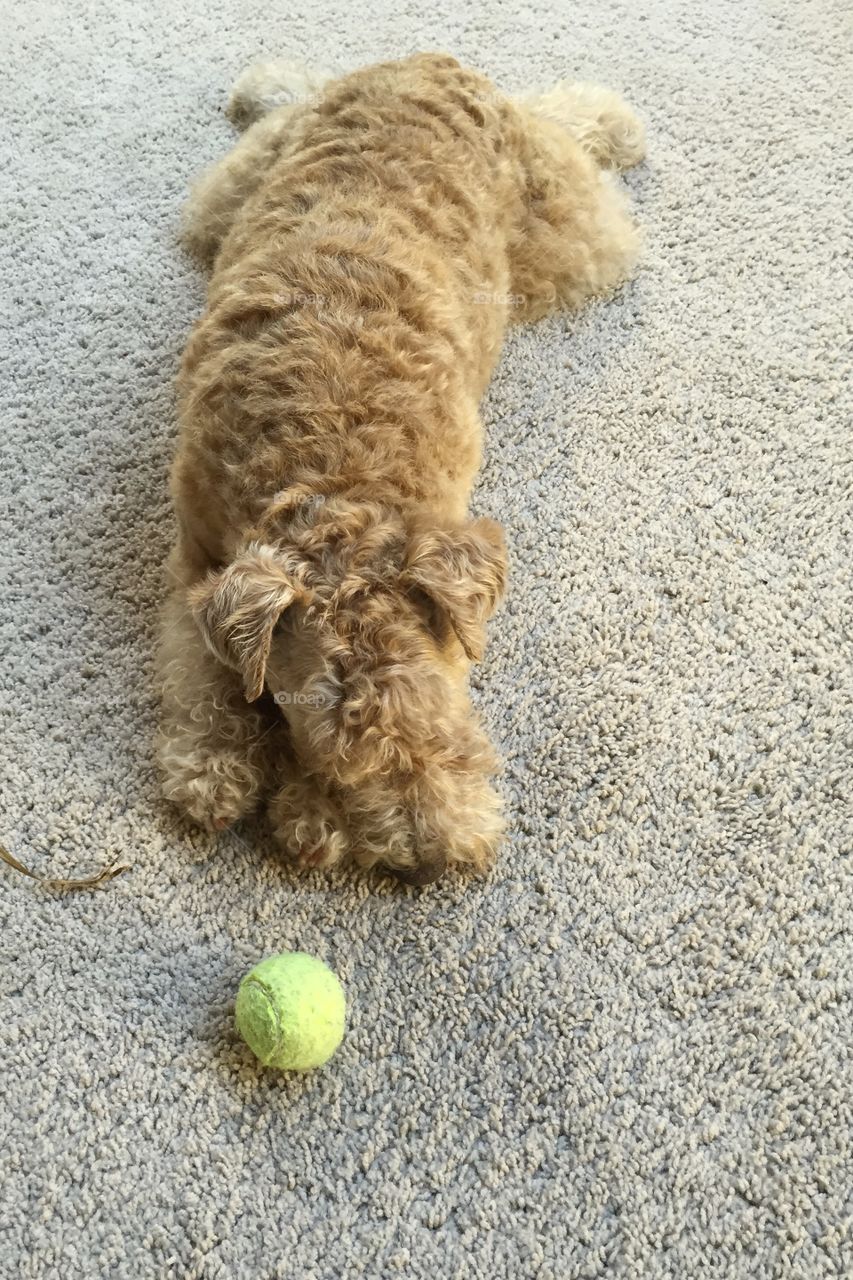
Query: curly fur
{"type": "Point", "coordinates": [370, 240]}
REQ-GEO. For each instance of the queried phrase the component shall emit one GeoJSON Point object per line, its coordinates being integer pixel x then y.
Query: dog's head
{"type": "Point", "coordinates": [363, 624]}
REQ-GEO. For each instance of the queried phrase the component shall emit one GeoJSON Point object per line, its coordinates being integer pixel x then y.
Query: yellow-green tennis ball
{"type": "Point", "coordinates": [290, 1011]}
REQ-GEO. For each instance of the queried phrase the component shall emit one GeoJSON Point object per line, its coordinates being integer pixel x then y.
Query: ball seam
{"type": "Point", "coordinates": [279, 1031]}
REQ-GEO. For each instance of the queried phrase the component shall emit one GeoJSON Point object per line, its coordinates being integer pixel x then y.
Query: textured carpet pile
{"type": "Point", "coordinates": [628, 1052]}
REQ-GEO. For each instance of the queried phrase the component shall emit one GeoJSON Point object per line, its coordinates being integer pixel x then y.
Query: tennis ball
{"type": "Point", "coordinates": [290, 1011]}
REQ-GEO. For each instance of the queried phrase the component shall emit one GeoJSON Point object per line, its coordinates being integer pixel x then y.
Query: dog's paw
{"type": "Point", "coordinates": [213, 791]}
{"type": "Point", "coordinates": [307, 827]}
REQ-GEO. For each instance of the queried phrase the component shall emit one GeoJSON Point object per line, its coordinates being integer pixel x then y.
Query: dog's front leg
{"type": "Point", "coordinates": [213, 747]}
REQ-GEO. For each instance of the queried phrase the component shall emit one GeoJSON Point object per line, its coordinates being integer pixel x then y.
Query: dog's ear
{"type": "Point", "coordinates": [238, 608]}
{"type": "Point", "coordinates": [463, 571]}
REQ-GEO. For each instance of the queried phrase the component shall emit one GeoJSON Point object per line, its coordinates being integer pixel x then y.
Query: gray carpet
{"type": "Point", "coordinates": [628, 1053]}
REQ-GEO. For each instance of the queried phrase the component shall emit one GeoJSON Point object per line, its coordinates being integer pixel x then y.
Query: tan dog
{"type": "Point", "coordinates": [370, 240]}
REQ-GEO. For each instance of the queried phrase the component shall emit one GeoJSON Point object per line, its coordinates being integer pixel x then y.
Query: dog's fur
{"type": "Point", "coordinates": [370, 239]}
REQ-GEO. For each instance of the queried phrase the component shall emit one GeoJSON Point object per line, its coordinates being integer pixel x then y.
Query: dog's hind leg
{"type": "Point", "coordinates": [602, 122]}
{"type": "Point", "coordinates": [268, 101]}
{"type": "Point", "coordinates": [276, 82]}
{"type": "Point", "coordinates": [575, 237]}
{"type": "Point", "coordinates": [217, 196]}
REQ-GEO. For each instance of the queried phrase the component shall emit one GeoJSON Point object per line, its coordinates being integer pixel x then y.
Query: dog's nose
{"type": "Point", "coordinates": [427, 871]}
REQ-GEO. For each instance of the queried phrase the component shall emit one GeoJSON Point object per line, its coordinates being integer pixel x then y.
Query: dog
{"type": "Point", "coordinates": [370, 239]}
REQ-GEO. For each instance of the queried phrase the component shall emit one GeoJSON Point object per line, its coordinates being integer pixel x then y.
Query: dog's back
{"type": "Point", "coordinates": [358, 303]}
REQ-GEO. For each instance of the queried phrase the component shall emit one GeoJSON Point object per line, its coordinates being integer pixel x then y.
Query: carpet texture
{"type": "Point", "coordinates": [628, 1052]}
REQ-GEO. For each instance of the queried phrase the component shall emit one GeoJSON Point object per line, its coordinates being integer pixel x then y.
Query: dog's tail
{"type": "Point", "coordinates": [602, 122]}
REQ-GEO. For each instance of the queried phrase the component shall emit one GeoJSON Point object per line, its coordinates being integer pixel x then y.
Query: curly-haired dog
{"type": "Point", "coordinates": [370, 239]}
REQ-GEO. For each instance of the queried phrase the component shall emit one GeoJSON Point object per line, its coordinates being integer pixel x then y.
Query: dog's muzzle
{"type": "Point", "coordinates": [426, 872]}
